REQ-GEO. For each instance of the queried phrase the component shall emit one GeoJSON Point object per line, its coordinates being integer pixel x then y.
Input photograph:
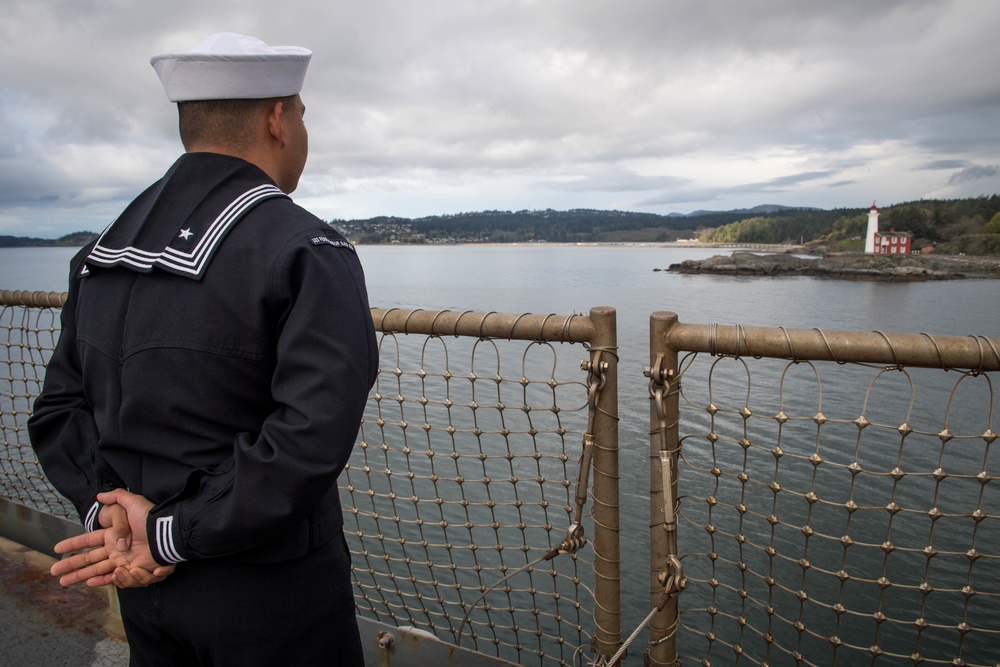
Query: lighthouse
{"type": "Point", "coordinates": [872, 229]}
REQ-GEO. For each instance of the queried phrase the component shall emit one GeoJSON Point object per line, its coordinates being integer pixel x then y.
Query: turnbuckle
{"type": "Point", "coordinates": [672, 579]}
{"type": "Point", "coordinates": [659, 388]}
{"type": "Point", "coordinates": [573, 542]}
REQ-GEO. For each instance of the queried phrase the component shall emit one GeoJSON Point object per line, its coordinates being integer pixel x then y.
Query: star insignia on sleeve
{"type": "Point", "coordinates": [185, 233]}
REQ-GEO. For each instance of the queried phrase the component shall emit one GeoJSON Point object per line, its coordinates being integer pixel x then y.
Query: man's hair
{"type": "Point", "coordinates": [228, 123]}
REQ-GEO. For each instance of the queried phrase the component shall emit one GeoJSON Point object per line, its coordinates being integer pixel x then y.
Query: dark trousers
{"type": "Point", "coordinates": [218, 614]}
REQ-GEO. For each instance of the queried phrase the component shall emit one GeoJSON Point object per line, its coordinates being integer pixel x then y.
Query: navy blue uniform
{"type": "Point", "coordinates": [215, 357]}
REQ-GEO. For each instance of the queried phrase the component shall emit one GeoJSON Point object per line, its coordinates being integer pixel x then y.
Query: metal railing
{"type": "Point", "coordinates": [822, 522]}
{"type": "Point", "coordinates": [29, 326]}
{"type": "Point", "coordinates": [815, 498]}
{"type": "Point", "coordinates": [481, 500]}
{"type": "Point", "coordinates": [466, 495]}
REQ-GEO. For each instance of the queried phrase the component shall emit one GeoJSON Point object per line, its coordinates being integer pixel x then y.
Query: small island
{"type": "Point", "coordinates": [848, 266]}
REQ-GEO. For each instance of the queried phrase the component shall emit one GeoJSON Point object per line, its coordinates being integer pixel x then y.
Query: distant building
{"type": "Point", "coordinates": [885, 243]}
{"type": "Point", "coordinates": [893, 243]}
{"type": "Point", "coordinates": [872, 229]}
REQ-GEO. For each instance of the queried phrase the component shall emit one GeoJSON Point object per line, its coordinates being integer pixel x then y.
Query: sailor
{"type": "Point", "coordinates": [207, 388]}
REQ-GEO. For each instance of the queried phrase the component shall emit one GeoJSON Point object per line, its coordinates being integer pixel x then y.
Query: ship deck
{"type": "Point", "coordinates": [44, 624]}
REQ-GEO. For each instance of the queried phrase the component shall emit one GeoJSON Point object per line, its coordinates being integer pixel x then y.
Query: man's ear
{"type": "Point", "coordinates": [274, 123]}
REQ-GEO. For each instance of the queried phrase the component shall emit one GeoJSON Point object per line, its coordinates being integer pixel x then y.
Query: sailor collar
{"type": "Point", "coordinates": [180, 221]}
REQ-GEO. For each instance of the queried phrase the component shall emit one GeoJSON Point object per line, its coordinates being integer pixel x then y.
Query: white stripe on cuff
{"type": "Point", "coordinates": [90, 521]}
{"type": "Point", "coordinates": [165, 540]}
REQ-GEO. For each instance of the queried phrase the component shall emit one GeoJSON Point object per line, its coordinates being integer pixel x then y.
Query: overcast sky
{"type": "Point", "coordinates": [442, 106]}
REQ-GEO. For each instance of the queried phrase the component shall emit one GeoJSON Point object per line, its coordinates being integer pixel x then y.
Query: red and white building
{"type": "Point", "coordinates": [885, 243]}
{"type": "Point", "coordinates": [893, 243]}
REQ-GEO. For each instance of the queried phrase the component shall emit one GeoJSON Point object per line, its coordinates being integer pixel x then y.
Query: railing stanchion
{"type": "Point", "coordinates": [607, 557]}
{"type": "Point", "coordinates": [663, 437]}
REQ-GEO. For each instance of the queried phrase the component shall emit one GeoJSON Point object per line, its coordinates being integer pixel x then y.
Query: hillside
{"type": "Point", "coordinates": [573, 226]}
{"type": "Point", "coordinates": [76, 239]}
{"type": "Point", "coordinates": [951, 225]}
{"type": "Point", "coordinates": [956, 226]}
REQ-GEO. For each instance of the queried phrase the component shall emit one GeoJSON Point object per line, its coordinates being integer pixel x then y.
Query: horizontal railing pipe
{"type": "Point", "coordinates": [562, 328]}
{"type": "Point", "coordinates": [922, 350]}
{"type": "Point", "coordinates": [32, 299]}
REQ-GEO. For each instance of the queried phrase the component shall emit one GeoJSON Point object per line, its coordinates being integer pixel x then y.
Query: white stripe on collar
{"type": "Point", "coordinates": [192, 262]}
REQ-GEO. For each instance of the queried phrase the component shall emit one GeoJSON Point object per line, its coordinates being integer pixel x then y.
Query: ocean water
{"type": "Point", "coordinates": [567, 278]}
{"type": "Point", "coordinates": [573, 279]}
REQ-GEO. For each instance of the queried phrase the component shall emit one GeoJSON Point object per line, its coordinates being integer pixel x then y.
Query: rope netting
{"type": "Point", "coordinates": [851, 520]}
{"type": "Point", "coordinates": [28, 336]}
{"type": "Point", "coordinates": [831, 507]}
{"type": "Point", "coordinates": [463, 510]}
{"type": "Point", "coordinates": [465, 475]}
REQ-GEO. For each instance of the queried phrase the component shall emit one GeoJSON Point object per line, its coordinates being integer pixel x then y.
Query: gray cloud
{"type": "Point", "coordinates": [622, 180]}
{"type": "Point", "coordinates": [974, 173]}
{"type": "Point", "coordinates": [944, 164]}
{"type": "Point", "coordinates": [760, 189]}
{"type": "Point", "coordinates": [445, 105]}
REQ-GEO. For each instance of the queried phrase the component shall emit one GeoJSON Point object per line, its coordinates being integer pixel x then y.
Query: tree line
{"type": "Point", "coordinates": [957, 225]}
{"type": "Point", "coordinates": [76, 239]}
{"type": "Point", "coordinates": [969, 225]}
{"type": "Point", "coordinates": [572, 226]}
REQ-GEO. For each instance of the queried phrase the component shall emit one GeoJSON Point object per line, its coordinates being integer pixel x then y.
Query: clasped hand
{"type": "Point", "coordinates": [117, 553]}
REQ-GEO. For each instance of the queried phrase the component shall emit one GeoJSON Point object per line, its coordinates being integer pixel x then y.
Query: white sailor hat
{"type": "Point", "coordinates": [228, 66]}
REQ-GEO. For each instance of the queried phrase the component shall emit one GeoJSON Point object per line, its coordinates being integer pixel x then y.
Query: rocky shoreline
{"type": "Point", "coordinates": [845, 267]}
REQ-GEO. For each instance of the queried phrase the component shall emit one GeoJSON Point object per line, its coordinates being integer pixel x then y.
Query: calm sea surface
{"type": "Point", "coordinates": [573, 279]}
{"type": "Point", "coordinates": [565, 279]}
